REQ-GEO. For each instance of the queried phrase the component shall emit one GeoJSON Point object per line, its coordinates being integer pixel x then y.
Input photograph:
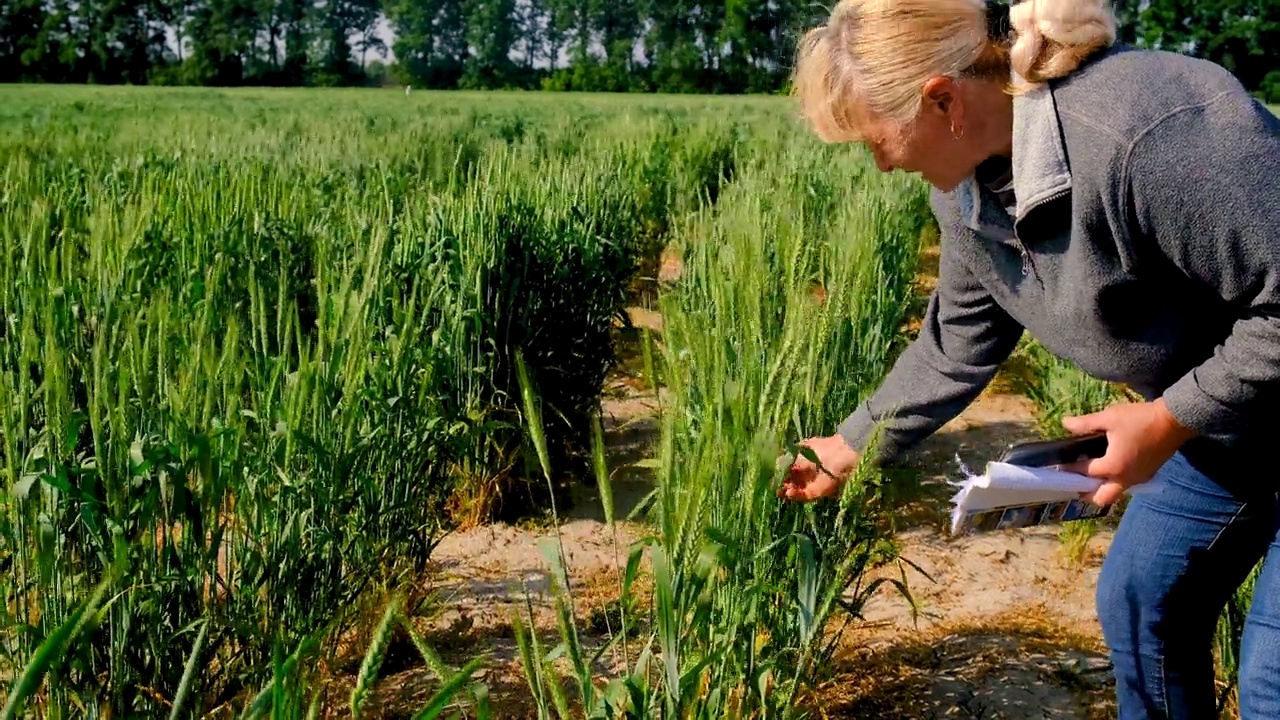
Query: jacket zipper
{"type": "Point", "coordinates": [1029, 265]}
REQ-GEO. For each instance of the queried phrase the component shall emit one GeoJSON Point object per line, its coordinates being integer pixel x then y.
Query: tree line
{"type": "Point", "coordinates": [688, 46]}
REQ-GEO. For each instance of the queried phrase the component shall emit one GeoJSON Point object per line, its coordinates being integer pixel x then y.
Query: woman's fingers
{"type": "Point", "coordinates": [806, 481]}
{"type": "Point", "coordinates": [1108, 493]}
{"type": "Point", "coordinates": [797, 480]}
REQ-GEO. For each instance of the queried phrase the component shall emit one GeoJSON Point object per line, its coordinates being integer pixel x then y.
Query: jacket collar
{"type": "Point", "coordinates": [1040, 169]}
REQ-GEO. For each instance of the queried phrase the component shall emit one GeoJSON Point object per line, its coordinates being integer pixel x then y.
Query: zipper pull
{"type": "Point", "coordinates": [1027, 265]}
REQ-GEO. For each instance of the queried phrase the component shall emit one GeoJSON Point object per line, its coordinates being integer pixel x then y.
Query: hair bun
{"type": "Point", "coordinates": [1052, 37]}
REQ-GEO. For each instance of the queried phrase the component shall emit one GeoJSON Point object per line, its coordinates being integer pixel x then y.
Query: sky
{"type": "Point", "coordinates": [384, 31]}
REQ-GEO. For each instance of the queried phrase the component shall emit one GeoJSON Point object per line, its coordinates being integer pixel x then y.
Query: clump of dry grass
{"type": "Point", "coordinates": [898, 679]}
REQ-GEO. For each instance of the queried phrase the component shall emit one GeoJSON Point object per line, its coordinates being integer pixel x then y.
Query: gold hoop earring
{"type": "Point", "coordinates": [953, 132]}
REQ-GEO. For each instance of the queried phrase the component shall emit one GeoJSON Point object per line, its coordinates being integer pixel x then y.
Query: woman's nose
{"type": "Point", "coordinates": [881, 163]}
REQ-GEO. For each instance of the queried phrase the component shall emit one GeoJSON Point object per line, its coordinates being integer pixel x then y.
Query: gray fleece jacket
{"type": "Point", "coordinates": [1144, 247]}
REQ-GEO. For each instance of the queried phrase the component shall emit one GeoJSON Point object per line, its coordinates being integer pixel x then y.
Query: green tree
{"type": "Point", "coordinates": [22, 56]}
{"type": "Point", "coordinates": [1241, 35]}
{"type": "Point", "coordinates": [337, 21]}
{"type": "Point", "coordinates": [674, 59]}
{"type": "Point", "coordinates": [222, 36]}
{"type": "Point", "coordinates": [491, 32]}
{"type": "Point", "coordinates": [295, 21]}
{"type": "Point", "coordinates": [685, 46]}
{"type": "Point", "coordinates": [431, 40]}
{"type": "Point", "coordinates": [1129, 17]}
{"type": "Point", "coordinates": [617, 24]}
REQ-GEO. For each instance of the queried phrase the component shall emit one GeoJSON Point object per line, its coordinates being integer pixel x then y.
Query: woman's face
{"type": "Point", "coordinates": [927, 145]}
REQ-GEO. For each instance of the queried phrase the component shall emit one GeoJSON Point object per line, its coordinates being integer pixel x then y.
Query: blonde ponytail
{"type": "Point", "coordinates": [1051, 38]}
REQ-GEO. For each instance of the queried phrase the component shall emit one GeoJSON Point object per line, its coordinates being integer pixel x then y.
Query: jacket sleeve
{"type": "Point", "coordinates": [964, 338]}
{"type": "Point", "coordinates": [1204, 184]}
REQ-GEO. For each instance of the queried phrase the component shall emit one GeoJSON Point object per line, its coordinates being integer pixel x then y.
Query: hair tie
{"type": "Point", "coordinates": [998, 24]}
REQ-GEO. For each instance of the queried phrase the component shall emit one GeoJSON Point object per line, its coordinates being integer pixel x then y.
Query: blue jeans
{"type": "Point", "coordinates": [1182, 548]}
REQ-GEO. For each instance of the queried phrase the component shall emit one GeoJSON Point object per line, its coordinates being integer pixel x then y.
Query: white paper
{"type": "Point", "coordinates": [1012, 496]}
{"type": "Point", "coordinates": [1004, 475]}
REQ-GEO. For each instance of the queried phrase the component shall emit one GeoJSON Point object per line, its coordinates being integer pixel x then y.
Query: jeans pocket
{"type": "Point", "coordinates": [1196, 509]}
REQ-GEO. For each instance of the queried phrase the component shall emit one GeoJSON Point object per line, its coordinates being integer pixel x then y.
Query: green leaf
{"type": "Point", "coordinates": [50, 652]}
{"type": "Point", "coordinates": [428, 653]}
{"type": "Point", "coordinates": [184, 685]}
{"type": "Point", "coordinates": [444, 695]}
{"type": "Point", "coordinates": [533, 416]}
{"type": "Point", "coordinates": [807, 590]}
{"type": "Point", "coordinates": [602, 469]}
{"type": "Point", "coordinates": [808, 454]}
{"type": "Point", "coordinates": [373, 657]}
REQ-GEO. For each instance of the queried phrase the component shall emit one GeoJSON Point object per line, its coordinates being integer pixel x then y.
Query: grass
{"type": "Point", "coordinates": [1057, 387]}
{"type": "Point", "coordinates": [246, 403]}
{"type": "Point", "coordinates": [264, 348]}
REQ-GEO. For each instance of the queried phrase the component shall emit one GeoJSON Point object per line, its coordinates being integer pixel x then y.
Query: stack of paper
{"type": "Point", "coordinates": [1013, 496]}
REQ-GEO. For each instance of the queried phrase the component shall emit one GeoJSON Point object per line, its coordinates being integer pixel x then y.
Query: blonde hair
{"type": "Point", "coordinates": [874, 56]}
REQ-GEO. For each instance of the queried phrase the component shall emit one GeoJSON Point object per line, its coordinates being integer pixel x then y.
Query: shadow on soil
{"type": "Point", "coordinates": [631, 436]}
{"type": "Point", "coordinates": [1011, 667]}
{"type": "Point", "coordinates": [919, 487]}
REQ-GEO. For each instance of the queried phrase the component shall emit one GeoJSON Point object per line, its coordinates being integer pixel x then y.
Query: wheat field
{"type": "Point", "coordinates": [264, 348]}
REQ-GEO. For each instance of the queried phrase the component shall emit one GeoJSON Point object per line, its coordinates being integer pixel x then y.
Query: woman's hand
{"type": "Point", "coordinates": [1141, 437]}
{"type": "Point", "coordinates": [806, 483]}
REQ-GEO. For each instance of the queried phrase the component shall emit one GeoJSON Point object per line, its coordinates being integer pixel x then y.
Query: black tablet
{"type": "Point", "coordinates": [1044, 453]}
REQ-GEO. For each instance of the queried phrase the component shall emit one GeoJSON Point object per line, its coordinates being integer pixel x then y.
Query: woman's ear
{"type": "Point", "coordinates": [941, 97]}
